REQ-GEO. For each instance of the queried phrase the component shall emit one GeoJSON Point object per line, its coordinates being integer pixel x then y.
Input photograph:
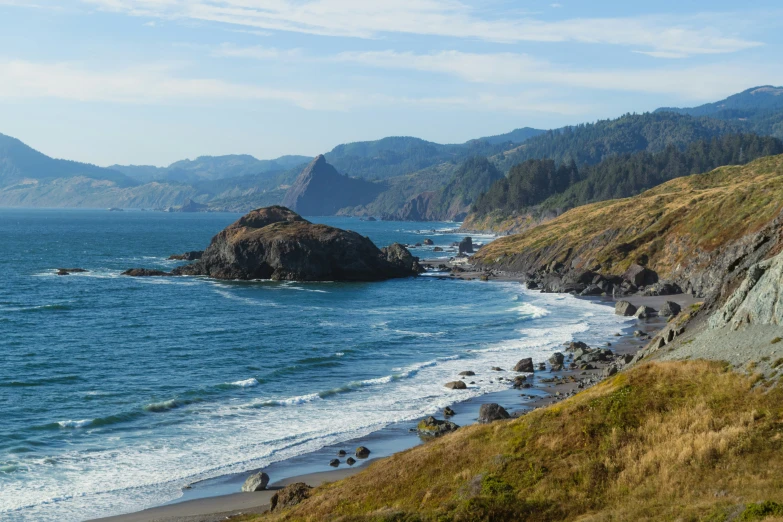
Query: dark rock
{"type": "Point", "coordinates": [433, 427]}
{"type": "Point", "coordinates": [351, 461]}
{"type": "Point", "coordinates": [610, 370]}
{"type": "Point", "coordinates": [187, 256]}
{"type": "Point", "coordinates": [662, 288]}
{"type": "Point", "coordinates": [492, 412]}
{"type": "Point", "coordinates": [592, 290]}
{"type": "Point", "coordinates": [448, 412]}
{"type": "Point", "coordinates": [429, 242]}
{"type": "Point", "coordinates": [466, 246]}
{"type": "Point", "coordinates": [69, 271]}
{"type": "Point", "coordinates": [276, 243]}
{"type": "Point", "coordinates": [670, 309]}
{"type": "Point", "coordinates": [624, 308]}
{"type": "Point", "coordinates": [334, 463]}
{"type": "Point", "coordinates": [192, 206]}
{"type": "Point", "coordinates": [456, 385]}
{"type": "Point", "coordinates": [519, 381]}
{"type": "Point", "coordinates": [576, 345]}
{"type": "Point", "coordinates": [556, 359]}
{"type": "Point", "coordinates": [256, 482]}
{"type": "Point", "coordinates": [146, 272]}
{"type": "Point", "coordinates": [437, 249]}
{"type": "Point", "coordinates": [496, 369]}
{"type": "Point", "coordinates": [645, 312]}
{"type": "Point", "coordinates": [541, 367]}
{"type": "Point", "coordinates": [468, 373]}
{"type": "Point", "coordinates": [290, 496]}
{"type": "Point", "coordinates": [640, 276]}
{"type": "Point", "coordinates": [557, 367]}
{"type": "Point", "coordinates": [524, 365]}
{"type": "Point", "coordinates": [362, 452]}
{"type": "Point", "coordinates": [341, 453]}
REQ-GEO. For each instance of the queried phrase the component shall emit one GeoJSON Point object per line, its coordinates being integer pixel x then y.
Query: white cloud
{"type": "Point", "coordinates": [697, 83]}
{"type": "Point", "coordinates": [146, 84]}
{"type": "Point", "coordinates": [256, 52]}
{"type": "Point", "coordinates": [450, 18]}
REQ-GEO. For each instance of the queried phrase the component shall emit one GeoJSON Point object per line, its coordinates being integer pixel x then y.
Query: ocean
{"type": "Point", "coordinates": [115, 392]}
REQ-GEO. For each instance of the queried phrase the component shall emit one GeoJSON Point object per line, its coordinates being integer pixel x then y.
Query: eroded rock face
{"type": "Point", "coordinates": [276, 243]}
{"type": "Point", "coordinates": [757, 301]}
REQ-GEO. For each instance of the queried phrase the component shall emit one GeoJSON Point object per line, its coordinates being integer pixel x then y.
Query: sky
{"type": "Point", "coordinates": [156, 81]}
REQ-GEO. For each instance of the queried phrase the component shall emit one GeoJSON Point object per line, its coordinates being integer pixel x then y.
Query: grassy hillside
{"type": "Point", "coordinates": [686, 441]}
{"type": "Point", "coordinates": [665, 228]}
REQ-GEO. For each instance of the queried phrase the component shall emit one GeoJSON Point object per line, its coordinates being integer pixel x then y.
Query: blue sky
{"type": "Point", "coordinates": [155, 81]}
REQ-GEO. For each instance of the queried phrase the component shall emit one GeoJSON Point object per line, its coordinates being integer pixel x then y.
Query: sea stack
{"type": "Point", "coordinates": [321, 191]}
{"type": "Point", "coordinates": [277, 243]}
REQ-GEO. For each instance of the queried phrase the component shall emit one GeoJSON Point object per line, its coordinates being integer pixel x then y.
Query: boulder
{"type": "Point", "coordinates": [256, 482]}
{"type": "Point", "coordinates": [146, 272]}
{"type": "Point", "coordinates": [576, 345]}
{"type": "Point", "coordinates": [433, 427]}
{"type": "Point", "coordinates": [290, 496]}
{"type": "Point", "coordinates": [448, 412]}
{"type": "Point", "coordinates": [492, 412]}
{"type": "Point", "coordinates": [437, 249]}
{"type": "Point", "coordinates": [334, 463]}
{"type": "Point", "coordinates": [350, 461]}
{"type": "Point", "coordinates": [556, 359]}
{"type": "Point", "coordinates": [277, 243]}
{"type": "Point", "coordinates": [670, 309]}
{"type": "Point", "coordinates": [187, 256]}
{"type": "Point", "coordinates": [640, 276]}
{"type": "Point", "coordinates": [624, 308]}
{"type": "Point", "coordinates": [519, 381]}
{"type": "Point", "coordinates": [456, 385]}
{"type": "Point", "coordinates": [429, 242]}
{"type": "Point", "coordinates": [524, 365]}
{"type": "Point", "coordinates": [645, 312]}
{"type": "Point", "coordinates": [467, 373]}
{"type": "Point", "coordinates": [592, 290]}
{"type": "Point", "coordinates": [341, 453]}
{"type": "Point", "coordinates": [466, 246]}
{"type": "Point", "coordinates": [362, 452]}
{"type": "Point", "coordinates": [662, 288]}
{"type": "Point", "coordinates": [496, 369]}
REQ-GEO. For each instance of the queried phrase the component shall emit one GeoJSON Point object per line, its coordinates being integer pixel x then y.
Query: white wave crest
{"type": "Point", "coordinates": [247, 383]}
{"type": "Point", "coordinates": [75, 423]}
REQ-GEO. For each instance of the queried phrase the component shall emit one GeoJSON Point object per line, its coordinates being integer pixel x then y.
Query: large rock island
{"type": "Point", "coordinates": [276, 243]}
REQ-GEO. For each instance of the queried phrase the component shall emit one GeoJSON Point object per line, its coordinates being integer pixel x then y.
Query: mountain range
{"type": "Point", "coordinates": [400, 177]}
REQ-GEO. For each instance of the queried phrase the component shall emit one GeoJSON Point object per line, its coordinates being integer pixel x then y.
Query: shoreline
{"type": "Point", "coordinates": [219, 498]}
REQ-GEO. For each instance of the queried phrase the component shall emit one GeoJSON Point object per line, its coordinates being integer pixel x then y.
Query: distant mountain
{"type": "Point", "coordinates": [453, 202]}
{"type": "Point", "coordinates": [321, 191]}
{"type": "Point", "coordinates": [20, 163]}
{"type": "Point", "coordinates": [515, 136]}
{"type": "Point", "coordinates": [211, 168]}
{"type": "Point", "coordinates": [764, 98]}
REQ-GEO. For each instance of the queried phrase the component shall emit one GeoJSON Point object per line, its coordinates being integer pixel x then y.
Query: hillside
{"type": "Point", "coordinates": [687, 230]}
{"type": "Point", "coordinates": [537, 190]}
{"type": "Point", "coordinates": [664, 441]}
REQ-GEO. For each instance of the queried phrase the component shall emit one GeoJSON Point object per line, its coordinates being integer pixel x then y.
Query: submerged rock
{"type": "Point", "coordinates": [290, 496]}
{"type": "Point", "coordinates": [146, 272]}
{"type": "Point", "coordinates": [433, 427]}
{"type": "Point", "coordinates": [256, 482]}
{"type": "Point", "coordinates": [69, 271]}
{"type": "Point", "coordinates": [277, 243]}
{"type": "Point", "coordinates": [492, 412]}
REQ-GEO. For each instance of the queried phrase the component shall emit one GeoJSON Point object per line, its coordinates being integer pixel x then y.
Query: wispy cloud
{"type": "Point", "coordinates": [697, 82]}
{"type": "Point", "coordinates": [665, 36]}
{"type": "Point", "coordinates": [256, 52]}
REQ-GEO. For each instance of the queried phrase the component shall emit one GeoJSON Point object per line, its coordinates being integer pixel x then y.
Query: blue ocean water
{"type": "Point", "coordinates": [115, 392]}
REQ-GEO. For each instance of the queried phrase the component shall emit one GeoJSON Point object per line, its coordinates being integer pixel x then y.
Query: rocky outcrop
{"type": "Point", "coordinates": [433, 427]}
{"type": "Point", "coordinates": [419, 208]}
{"type": "Point", "coordinates": [146, 272]}
{"type": "Point", "coordinates": [290, 496]}
{"type": "Point", "coordinates": [276, 243]}
{"type": "Point", "coordinates": [187, 256]}
{"type": "Point", "coordinates": [69, 271]}
{"type": "Point", "coordinates": [191, 206]}
{"type": "Point", "coordinates": [321, 191]}
{"type": "Point", "coordinates": [492, 412]}
{"type": "Point", "coordinates": [757, 301]}
{"type": "Point", "coordinates": [256, 482]}
{"type": "Point", "coordinates": [466, 246]}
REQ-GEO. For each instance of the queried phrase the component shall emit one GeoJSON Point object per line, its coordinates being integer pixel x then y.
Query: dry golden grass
{"type": "Point", "coordinates": [663, 228]}
{"type": "Point", "coordinates": [685, 441]}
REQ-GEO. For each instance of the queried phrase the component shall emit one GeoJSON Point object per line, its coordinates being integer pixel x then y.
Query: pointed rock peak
{"type": "Point", "coordinates": [318, 161]}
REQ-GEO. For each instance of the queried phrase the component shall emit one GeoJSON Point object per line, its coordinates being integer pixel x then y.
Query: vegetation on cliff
{"type": "Point", "coordinates": [665, 229]}
{"type": "Point", "coordinates": [663, 441]}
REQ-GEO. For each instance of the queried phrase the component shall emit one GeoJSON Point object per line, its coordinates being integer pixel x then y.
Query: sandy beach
{"type": "Point", "coordinates": [219, 499]}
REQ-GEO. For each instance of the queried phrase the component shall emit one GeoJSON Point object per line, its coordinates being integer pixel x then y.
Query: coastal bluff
{"type": "Point", "coordinates": [277, 243]}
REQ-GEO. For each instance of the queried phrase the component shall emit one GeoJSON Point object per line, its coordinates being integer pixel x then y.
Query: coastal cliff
{"type": "Point", "coordinates": [277, 243]}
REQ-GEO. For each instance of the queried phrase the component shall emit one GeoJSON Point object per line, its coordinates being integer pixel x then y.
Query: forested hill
{"type": "Point", "coordinates": [551, 187]}
{"type": "Point", "coordinates": [764, 98]}
{"type": "Point", "coordinates": [591, 143]}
